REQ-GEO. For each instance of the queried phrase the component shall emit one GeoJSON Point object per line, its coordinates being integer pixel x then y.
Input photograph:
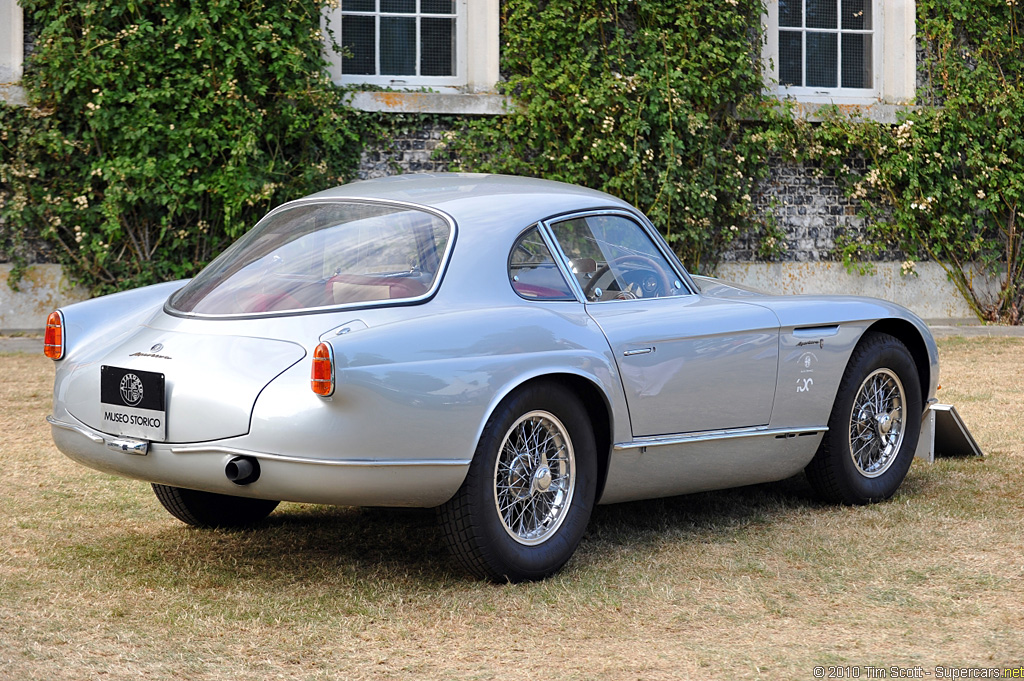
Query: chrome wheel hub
{"type": "Point", "coordinates": [542, 479]}
{"type": "Point", "coordinates": [877, 422]}
{"type": "Point", "coordinates": [534, 477]}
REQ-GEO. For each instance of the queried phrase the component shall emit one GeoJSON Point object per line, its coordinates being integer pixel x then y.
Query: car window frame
{"type": "Point", "coordinates": [688, 285]}
{"type": "Point", "coordinates": [443, 264]}
{"type": "Point", "coordinates": [556, 258]}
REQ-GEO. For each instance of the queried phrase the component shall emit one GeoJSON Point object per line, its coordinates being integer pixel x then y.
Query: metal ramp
{"type": "Point", "coordinates": [944, 433]}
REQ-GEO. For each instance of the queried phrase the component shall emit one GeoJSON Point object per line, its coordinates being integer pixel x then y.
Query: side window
{"type": "Point", "coordinates": [614, 259]}
{"type": "Point", "coordinates": [533, 272]}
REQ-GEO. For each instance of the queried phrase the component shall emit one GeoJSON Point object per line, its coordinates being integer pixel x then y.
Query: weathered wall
{"type": "Point", "coordinates": [41, 291]}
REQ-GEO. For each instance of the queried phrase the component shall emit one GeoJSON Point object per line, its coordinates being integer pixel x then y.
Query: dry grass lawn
{"type": "Point", "coordinates": [98, 582]}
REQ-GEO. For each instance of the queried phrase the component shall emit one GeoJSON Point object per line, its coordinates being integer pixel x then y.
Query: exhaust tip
{"type": "Point", "coordinates": [242, 470]}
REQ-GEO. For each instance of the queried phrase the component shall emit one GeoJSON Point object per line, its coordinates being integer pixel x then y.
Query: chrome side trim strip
{"type": "Point", "coordinates": [98, 439]}
{"type": "Point", "coordinates": [141, 447]}
{"type": "Point", "coordinates": [360, 463]}
{"type": "Point", "coordinates": [704, 436]}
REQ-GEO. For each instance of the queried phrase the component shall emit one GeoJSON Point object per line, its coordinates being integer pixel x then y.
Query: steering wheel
{"type": "Point", "coordinates": [634, 258]}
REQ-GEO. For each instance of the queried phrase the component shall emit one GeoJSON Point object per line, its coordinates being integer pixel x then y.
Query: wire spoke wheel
{"type": "Point", "coordinates": [534, 478]}
{"type": "Point", "coordinates": [526, 500]}
{"type": "Point", "coordinates": [877, 422]}
{"type": "Point", "coordinates": [874, 425]}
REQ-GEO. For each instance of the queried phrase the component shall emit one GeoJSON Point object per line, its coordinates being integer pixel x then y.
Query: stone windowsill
{"type": "Point", "coordinates": [484, 104]}
{"type": "Point", "coordinates": [876, 111]}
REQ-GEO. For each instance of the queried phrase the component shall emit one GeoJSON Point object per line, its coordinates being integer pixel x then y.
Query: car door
{"type": "Point", "coordinates": [688, 363]}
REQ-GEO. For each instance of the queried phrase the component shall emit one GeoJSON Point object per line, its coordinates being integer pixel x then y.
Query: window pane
{"type": "Point", "coordinates": [614, 259]}
{"type": "Point", "coordinates": [437, 6]}
{"type": "Point", "coordinates": [791, 58]}
{"type": "Point", "coordinates": [857, 15]}
{"type": "Point", "coordinates": [398, 46]}
{"type": "Point", "coordinates": [438, 48]}
{"type": "Point", "coordinates": [791, 13]}
{"type": "Point", "coordinates": [358, 5]}
{"type": "Point", "coordinates": [857, 60]}
{"type": "Point", "coordinates": [821, 14]}
{"type": "Point", "coordinates": [403, 6]}
{"type": "Point", "coordinates": [822, 53]}
{"type": "Point", "coordinates": [533, 271]}
{"type": "Point", "coordinates": [322, 254]}
{"type": "Point", "coordinates": [357, 43]}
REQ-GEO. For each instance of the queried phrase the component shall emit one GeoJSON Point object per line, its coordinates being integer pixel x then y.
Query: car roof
{"type": "Point", "coordinates": [476, 199]}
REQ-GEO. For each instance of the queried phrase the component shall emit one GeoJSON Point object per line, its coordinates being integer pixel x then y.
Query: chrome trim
{"type": "Point", "coordinates": [129, 446]}
{"type": "Point", "coordinates": [63, 337]}
{"type": "Point", "coordinates": [645, 225]}
{"type": "Point", "coordinates": [95, 437]}
{"type": "Point", "coordinates": [556, 257]}
{"type": "Point", "coordinates": [825, 330]}
{"type": "Point", "coordinates": [704, 436]}
{"type": "Point", "coordinates": [235, 451]}
{"type": "Point", "coordinates": [361, 463]}
{"type": "Point", "coordinates": [137, 447]}
{"type": "Point", "coordinates": [334, 373]}
{"type": "Point", "coordinates": [638, 351]}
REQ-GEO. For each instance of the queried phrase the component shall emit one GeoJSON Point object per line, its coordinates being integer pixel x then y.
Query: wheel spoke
{"type": "Point", "coordinates": [534, 477]}
{"type": "Point", "coordinates": [876, 423]}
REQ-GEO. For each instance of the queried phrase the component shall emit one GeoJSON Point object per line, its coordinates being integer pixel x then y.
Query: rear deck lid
{"type": "Point", "coordinates": [209, 384]}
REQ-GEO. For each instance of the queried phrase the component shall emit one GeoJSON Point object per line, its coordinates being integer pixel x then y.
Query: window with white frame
{"type": "Point", "coordinates": [843, 51]}
{"type": "Point", "coordinates": [407, 43]}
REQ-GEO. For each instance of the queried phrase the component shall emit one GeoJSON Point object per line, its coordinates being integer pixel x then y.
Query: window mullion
{"type": "Point", "coordinates": [839, 44]}
{"type": "Point", "coordinates": [376, 38]}
{"type": "Point", "coordinates": [418, 48]}
{"type": "Point", "coordinates": [803, 43]}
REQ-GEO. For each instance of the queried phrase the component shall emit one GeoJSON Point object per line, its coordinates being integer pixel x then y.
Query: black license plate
{"type": "Point", "coordinates": [133, 403]}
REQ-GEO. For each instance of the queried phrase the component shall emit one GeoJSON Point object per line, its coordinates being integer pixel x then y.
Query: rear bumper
{"type": "Point", "coordinates": [200, 466]}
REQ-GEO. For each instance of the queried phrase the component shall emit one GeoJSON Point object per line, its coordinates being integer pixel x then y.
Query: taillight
{"type": "Point", "coordinates": [53, 340]}
{"type": "Point", "coordinates": [321, 378]}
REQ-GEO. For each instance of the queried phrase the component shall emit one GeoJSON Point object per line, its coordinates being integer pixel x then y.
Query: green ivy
{"type": "Point", "coordinates": [638, 99]}
{"type": "Point", "coordinates": [157, 132]}
{"type": "Point", "coordinates": [947, 183]}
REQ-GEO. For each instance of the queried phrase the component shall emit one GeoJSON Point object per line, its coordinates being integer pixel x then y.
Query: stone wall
{"type": "Point", "coordinates": [807, 206]}
{"type": "Point", "coordinates": [408, 151]}
{"type": "Point", "coordinates": [811, 209]}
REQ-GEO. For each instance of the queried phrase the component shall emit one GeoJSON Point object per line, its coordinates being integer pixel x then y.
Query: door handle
{"type": "Point", "coordinates": [638, 351]}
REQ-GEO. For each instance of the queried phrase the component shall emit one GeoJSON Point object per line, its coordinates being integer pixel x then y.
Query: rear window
{"type": "Point", "coordinates": [321, 255]}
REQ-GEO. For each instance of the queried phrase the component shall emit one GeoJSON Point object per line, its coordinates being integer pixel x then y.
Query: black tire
{"type": "Point", "coordinates": [206, 509]}
{"type": "Point", "coordinates": [867, 452]}
{"type": "Point", "coordinates": [488, 542]}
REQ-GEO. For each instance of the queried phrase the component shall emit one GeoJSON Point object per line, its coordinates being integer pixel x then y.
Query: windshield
{"type": "Point", "coordinates": [315, 255]}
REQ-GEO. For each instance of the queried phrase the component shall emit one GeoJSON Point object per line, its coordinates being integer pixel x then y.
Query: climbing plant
{"type": "Point", "coordinates": [657, 102]}
{"type": "Point", "coordinates": [947, 183]}
{"type": "Point", "coordinates": [157, 131]}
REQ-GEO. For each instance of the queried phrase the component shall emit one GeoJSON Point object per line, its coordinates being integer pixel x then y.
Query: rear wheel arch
{"type": "Point", "coordinates": [598, 408]}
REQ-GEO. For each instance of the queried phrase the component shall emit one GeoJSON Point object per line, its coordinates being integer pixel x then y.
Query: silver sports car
{"type": "Point", "coordinates": [509, 350]}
